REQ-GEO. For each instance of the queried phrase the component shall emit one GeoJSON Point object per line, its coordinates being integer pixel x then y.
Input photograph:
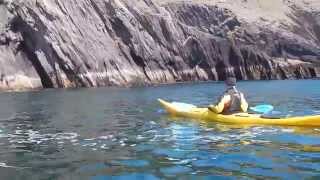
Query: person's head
{"type": "Point", "coordinates": [230, 81]}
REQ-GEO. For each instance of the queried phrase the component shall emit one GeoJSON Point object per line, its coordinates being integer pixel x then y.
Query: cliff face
{"type": "Point", "coordinates": [89, 43]}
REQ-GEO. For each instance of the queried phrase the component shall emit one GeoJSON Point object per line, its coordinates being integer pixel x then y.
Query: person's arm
{"type": "Point", "coordinates": [219, 107]}
{"type": "Point", "coordinates": [244, 104]}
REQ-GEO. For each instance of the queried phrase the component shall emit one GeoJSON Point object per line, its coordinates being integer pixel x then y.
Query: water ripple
{"type": "Point", "coordinates": [118, 134]}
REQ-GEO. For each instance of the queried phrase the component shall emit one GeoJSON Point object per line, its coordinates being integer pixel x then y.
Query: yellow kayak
{"type": "Point", "coordinates": [238, 118]}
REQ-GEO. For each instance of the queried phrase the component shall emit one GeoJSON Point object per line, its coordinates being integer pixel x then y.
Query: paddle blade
{"type": "Point", "coordinates": [264, 108]}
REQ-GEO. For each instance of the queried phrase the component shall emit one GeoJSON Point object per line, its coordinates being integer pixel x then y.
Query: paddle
{"type": "Point", "coordinates": [263, 108]}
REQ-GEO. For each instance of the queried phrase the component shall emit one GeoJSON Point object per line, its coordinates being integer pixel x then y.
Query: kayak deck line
{"type": "Point", "coordinates": [239, 118]}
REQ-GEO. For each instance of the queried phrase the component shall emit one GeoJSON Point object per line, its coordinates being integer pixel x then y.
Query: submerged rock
{"type": "Point", "coordinates": [90, 43]}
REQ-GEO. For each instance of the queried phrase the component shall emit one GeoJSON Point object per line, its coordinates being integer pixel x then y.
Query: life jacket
{"type": "Point", "coordinates": [234, 105]}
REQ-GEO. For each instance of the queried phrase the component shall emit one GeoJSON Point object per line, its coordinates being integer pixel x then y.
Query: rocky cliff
{"type": "Point", "coordinates": [90, 43]}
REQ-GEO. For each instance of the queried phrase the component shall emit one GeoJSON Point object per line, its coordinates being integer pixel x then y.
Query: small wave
{"type": "Point", "coordinates": [4, 136]}
{"type": "Point", "coordinates": [21, 116]}
{"type": "Point", "coordinates": [264, 130]}
{"type": "Point", "coordinates": [104, 146]}
{"type": "Point", "coordinates": [35, 137]}
{"type": "Point", "coordinates": [89, 144]}
{"type": "Point", "coordinates": [140, 137]}
{"type": "Point", "coordinates": [172, 159]}
{"type": "Point", "coordinates": [183, 161]}
{"type": "Point", "coordinates": [106, 137]}
{"type": "Point", "coordinates": [136, 163]}
{"type": "Point", "coordinates": [260, 141]}
{"type": "Point", "coordinates": [65, 136]}
{"type": "Point", "coordinates": [316, 112]}
{"type": "Point", "coordinates": [174, 170]}
{"type": "Point", "coordinates": [287, 130]}
{"type": "Point", "coordinates": [4, 165]}
{"type": "Point", "coordinates": [215, 138]}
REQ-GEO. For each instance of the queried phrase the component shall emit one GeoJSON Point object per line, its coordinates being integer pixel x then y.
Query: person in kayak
{"type": "Point", "coordinates": [232, 101]}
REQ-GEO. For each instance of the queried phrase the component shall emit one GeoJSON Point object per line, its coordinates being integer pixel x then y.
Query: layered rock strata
{"type": "Point", "coordinates": [91, 43]}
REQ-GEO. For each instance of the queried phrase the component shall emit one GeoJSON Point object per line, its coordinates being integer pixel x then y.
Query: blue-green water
{"type": "Point", "coordinates": [115, 133]}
